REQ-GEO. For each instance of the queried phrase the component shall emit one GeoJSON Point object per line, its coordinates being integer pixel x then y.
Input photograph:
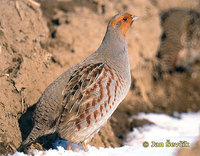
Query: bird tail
{"type": "Point", "coordinates": [35, 133]}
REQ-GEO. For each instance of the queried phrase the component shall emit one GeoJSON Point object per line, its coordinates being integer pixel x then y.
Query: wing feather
{"type": "Point", "coordinates": [75, 97]}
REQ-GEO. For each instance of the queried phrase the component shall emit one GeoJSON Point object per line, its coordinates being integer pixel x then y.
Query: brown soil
{"type": "Point", "coordinates": [194, 151]}
{"type": "Point", "coordinates": [37, 44]}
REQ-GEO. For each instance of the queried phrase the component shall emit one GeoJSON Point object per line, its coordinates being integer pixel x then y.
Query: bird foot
{"type": "Point", "coordinates": [85, 147]}
{"type": "Point", "coordinates": [69, 146]}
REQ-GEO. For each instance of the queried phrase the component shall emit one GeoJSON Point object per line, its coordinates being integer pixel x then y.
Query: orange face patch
{"type": "Point", "coordinates": [126, 22]}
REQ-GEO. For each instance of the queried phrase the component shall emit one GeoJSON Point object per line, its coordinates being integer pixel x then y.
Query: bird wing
{"type": "Point", "coordinates": [77, 93]}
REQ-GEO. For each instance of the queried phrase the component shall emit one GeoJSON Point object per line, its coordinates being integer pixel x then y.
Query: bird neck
{"type": "Point", "coordinates": [114, 36]}
{"type": "Point", "coordinates": [114, 50]}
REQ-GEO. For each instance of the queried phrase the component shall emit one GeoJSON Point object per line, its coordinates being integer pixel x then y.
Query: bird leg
{"type": "Point", "coordinates": [84, 147]}
{"type": "Point", "coordinates": [69, 145]}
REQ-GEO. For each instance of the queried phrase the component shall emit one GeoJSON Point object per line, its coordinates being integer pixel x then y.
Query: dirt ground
{"type": "Point", "coordinates": [39, 42]}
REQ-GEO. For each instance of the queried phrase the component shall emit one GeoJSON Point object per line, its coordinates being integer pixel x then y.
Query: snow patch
{"type": "Point", "coordinates": [180, 127]}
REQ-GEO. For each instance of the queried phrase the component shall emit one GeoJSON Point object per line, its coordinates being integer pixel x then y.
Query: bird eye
{"type": "Point", "coordinates": [124, 19]}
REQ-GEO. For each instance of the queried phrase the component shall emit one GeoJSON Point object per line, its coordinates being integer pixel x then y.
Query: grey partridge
{"type": "Point", "coordinates": [180, 41]}
{"type": "Point", "coordinates": [80, 101]}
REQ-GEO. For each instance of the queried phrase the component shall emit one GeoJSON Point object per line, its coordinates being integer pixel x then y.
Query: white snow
{"type": "Point", "coordinates": [182, 127]}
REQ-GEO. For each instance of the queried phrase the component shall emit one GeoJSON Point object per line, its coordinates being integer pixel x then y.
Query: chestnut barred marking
{"type": "Point", "coordinates": [78, 125]}
{"type": "Point", "coordinates": [105, 104]}
{"type": "Point", "coordinates": [93, 102]}
{"type": "Point", "coordinates": [88, 119]}
{"type": "Point", "coordinates": [101, 107]}
{"type": "Point", "coordinates": [82, 116]}
{"type": "Point", "coordinates": [95, 114]}
{"type": "Point", "coordinates": [116, 86]}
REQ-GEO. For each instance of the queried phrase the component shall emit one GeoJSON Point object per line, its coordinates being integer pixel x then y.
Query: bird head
{"type": "Point", "coordinates": [122, 22]}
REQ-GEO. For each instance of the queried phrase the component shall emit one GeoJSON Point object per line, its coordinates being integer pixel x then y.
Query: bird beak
{"type": "Point", "coordinates": [134, 18]}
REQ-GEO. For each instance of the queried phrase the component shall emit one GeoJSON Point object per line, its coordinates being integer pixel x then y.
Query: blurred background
{"type": "Point", "coordinates": [41, 39]}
